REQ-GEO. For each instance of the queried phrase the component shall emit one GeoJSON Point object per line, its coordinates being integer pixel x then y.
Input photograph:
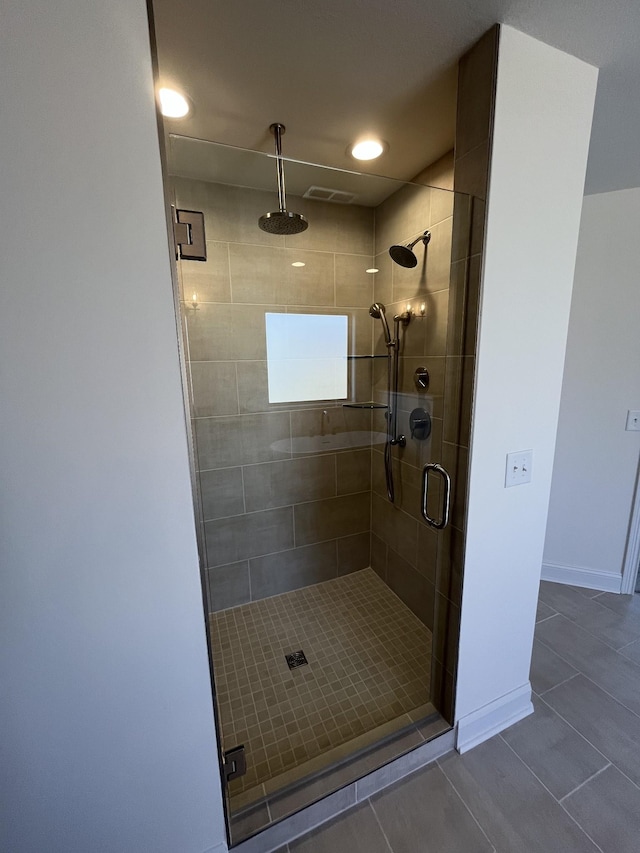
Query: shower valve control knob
{"type": "Point", "coordinates": [420, 423]}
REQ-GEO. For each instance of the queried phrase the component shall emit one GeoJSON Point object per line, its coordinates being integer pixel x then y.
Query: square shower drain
{"type": "Point", "coordinates": [296, 659]}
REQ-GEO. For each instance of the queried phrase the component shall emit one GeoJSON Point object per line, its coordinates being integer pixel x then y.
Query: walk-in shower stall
{"type": "Point", "coordinates": [329, 403]}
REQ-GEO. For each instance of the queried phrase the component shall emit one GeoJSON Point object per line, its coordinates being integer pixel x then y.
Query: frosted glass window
{"type": "Point", "coordinates": [306, 357]}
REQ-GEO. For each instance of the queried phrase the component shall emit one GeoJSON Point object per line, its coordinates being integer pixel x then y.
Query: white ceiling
{"type": "Point", "coordinates": [332, 71]}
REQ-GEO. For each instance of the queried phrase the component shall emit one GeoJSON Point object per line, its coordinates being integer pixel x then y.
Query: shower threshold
{"type": "Point", "coordinates": [284, 795]}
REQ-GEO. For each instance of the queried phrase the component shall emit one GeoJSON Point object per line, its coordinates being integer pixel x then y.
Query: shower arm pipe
{"type": "Point", "coordinates": [277, 130]}
{"type": "Point", "coordinates": [424, 237]}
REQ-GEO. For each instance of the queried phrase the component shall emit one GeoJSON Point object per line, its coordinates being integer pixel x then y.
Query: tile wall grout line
{"type": "Point", "coordinates": [586, 781]}
{"type": "Point", "coordinates": [465, 804]}
{"type": "Point", "coordinates": [555, 799]}
{"type": "Point", "coordinates": [335, 288]}
{"type": "Point", "coordinates": [244, 495]}
{"type": "Point", "coordinates": [235, 370]}
{"type": "Point", "coordinates": [229, 271]}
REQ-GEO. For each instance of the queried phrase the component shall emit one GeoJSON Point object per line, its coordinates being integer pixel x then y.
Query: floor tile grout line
{"type": "Point", "coordinates": [622, 648]}
{"type": "Point", "coordinates": [622, 773]}
{"type": "Point", "coordinates": [466, 805]}
{"type": "Point", "coordinates": [605, 592]}
{"type": "Point", "coordinates": [568, 813]}
{"type": "Point", "coordinates": [564, 681]}
{"type": "Point", "coordinates": [377, 819]}
{"type": "Point", "coordinates": [546, 618]}
{"type": "Point", "coordinates": [524, 763]}
{"type": "Point", "coordinates": [611, 696]}
{"type": "Point", "coordinates": [599, 686]}
{"type": "Point", "coordinates": [586, 630]}
{"type": "Point", "coordinates": [591, 633]}
{"type": "Point", "coordinates": [573, 728]}
{"type": "Point", "coordinates": [554, 798]}
{"type": "Point", "coordinates": [586, 782]}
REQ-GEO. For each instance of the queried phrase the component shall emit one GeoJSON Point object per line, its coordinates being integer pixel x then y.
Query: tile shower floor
{"type": "Point", "coordinates": [368, 663]}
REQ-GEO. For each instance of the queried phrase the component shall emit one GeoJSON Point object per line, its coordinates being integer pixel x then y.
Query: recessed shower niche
{"type": "Point", "coordinates": [324, 376]}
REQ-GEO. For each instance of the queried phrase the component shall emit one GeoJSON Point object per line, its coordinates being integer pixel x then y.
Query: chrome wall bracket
{"type": "Point", "coordinates": [188, 229]}
{"type": "Point", "coordinates": [235, 763]}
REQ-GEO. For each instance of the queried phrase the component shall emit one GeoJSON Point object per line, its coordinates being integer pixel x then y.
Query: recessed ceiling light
{"type": "Point", "coordinates": [367, 149]}
{"type": "Point", "coordinates": [373, 269]}
{"type": "Point", "coordinates": [173, 104]}
{"type": "Point", "coordinates": [298, 264]}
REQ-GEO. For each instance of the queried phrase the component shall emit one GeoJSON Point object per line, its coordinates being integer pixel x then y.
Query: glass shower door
{"type": "Point", "coordinates": [331, 609]}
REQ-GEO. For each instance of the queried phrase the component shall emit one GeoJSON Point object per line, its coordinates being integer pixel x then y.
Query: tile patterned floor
{"type": "Point", "coordinates": [564, 780]}
{"type": "Point", "coordinates": [368, 663]}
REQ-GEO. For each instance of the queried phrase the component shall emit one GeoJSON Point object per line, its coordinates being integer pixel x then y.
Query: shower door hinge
{"type": "Point", "coordinates": [235, 763]}
{"type": "Point", "coordinates": [188, 229]}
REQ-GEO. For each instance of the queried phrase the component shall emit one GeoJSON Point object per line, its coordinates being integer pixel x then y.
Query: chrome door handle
{"type": "Point", "coordinates": [444, 518]}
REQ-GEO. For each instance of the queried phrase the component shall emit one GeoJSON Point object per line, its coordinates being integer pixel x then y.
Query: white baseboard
{"type": "Point", "coordinates": [493, 718]}
{"type": "Point", "coordinates": [587, 578]}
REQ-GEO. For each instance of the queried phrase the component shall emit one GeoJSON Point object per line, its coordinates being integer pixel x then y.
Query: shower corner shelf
{"type": "Point", "coordinates": [370, 404]}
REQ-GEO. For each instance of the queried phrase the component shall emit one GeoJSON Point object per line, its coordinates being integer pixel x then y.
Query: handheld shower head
{"type": "Point", "coordinates": [377, 311]}
{"type": "Point", "coordinates": [404, 255]}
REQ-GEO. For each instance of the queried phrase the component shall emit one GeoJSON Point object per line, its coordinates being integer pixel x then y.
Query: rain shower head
{"type": "Point", "coordinates": [281, 221]}
{"type": "Point", "coordinates": [404, 254]}
{"type": "Point", "coordinates": [377, 311]}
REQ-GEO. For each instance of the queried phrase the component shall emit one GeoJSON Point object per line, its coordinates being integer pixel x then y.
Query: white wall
{"type": "Point", "coordinates": [544, 104]}
{"type": "Point", "coordinates": [596, 461]}
{"type": "Point", "coordinates": [105, 718]}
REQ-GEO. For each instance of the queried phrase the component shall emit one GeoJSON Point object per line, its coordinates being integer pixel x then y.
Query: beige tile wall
{"type": "Point", "coordinates": [285, 489]}
{"type": "Point", "coordinates": [404, 549]}
{"type": "Point", "coordinates": [294, 494]}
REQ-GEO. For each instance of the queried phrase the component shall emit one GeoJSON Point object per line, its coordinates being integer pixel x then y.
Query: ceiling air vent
{"type": "Point", "coordinates": [326, 194]}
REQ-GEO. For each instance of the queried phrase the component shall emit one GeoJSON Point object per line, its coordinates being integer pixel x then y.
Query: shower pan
{"type": "Point", "coordinates": [325, 537]}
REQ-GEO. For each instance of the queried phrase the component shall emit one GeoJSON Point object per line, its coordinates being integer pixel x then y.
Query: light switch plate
{"type": "Point", "coordinates": [633, 420]}
{"type": "Point", "coordinates": [519, 465]}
